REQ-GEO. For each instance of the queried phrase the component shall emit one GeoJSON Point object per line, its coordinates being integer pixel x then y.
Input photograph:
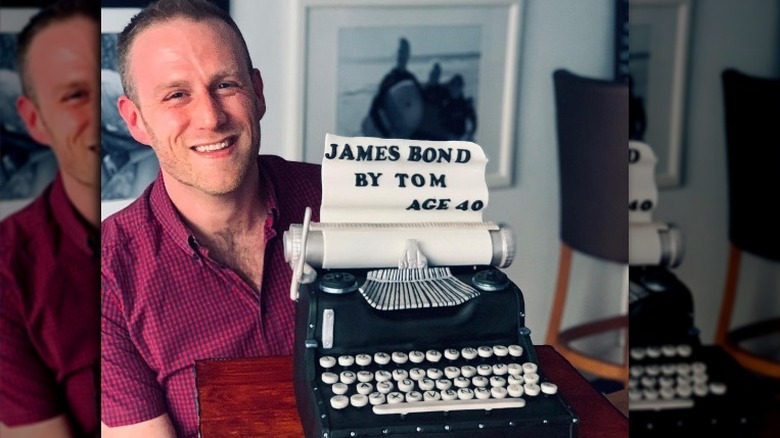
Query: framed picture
{"type": "Point", "coordinates": [658, 58]}
{"type": "Point", "coordinates": [425, 69]}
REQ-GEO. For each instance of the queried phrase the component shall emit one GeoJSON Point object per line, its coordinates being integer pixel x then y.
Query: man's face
{"type": "Point", "coordinates": [62, 64]}
{"type": "Point", "coordinates": [198, 104]}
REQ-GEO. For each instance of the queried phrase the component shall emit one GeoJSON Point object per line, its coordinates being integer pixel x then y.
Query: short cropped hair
{"type": "Point", "coordinates": [163, 11]}
{"type": "Point", "coordinates": [56, 12]}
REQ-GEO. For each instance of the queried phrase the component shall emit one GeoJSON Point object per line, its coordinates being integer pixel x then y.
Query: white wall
{"type": "Point", "coordinates": [571, 34]}
{"type": "Point", "coordinates": [725, 33]}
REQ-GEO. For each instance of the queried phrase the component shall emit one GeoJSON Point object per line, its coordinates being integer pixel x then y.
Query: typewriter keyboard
{"type": "Point", "coordinates": [471, 378]}
{"type": "Point", "coordinates": [669, 377]}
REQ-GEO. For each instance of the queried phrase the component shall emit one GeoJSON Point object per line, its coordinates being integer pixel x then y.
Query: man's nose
{"type": "Point", "coordinates": [209, 112]}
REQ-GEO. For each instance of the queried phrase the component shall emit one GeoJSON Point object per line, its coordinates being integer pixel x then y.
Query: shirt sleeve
{"type": "Point", "coordinates": [28, 388]}
{"type": "Point", "coordinates": [130, 391]}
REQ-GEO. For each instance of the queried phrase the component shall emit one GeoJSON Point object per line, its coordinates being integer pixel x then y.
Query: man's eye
{"type": "Point", "coordinates": [176, 95]}
{"type": "Point", "coordinates": [74, 95]}
{"type": "Point", "coordinates": [226, 85]}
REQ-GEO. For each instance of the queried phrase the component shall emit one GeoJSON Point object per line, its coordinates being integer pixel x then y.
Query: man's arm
{"type": "Point", "coordinates": [56, 427]}
{"type": "Point", "coordinates": [160, 427]}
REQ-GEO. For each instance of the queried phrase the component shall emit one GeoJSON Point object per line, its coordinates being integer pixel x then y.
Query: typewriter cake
{"type": "Point", "coordinates": [405, 323]}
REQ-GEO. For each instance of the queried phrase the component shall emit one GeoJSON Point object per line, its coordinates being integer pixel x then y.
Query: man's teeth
{"type": "Point", "coordinates": [212, 147]}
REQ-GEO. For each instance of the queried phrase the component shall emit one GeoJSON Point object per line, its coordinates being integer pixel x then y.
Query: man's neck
{"type": "Point", "coordinates": [84, 198]}
{"type": "Point", "coordinates": [209, 215]}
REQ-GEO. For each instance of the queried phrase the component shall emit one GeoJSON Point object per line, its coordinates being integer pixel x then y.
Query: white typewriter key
{"type": "Point", "coordinates": [384, 387]}
{"type": "Point", "coordinates": [443, 384]}
{"type": "Point", "coordinates": [684, 350]}
{"type": "Point", "coordinates": [633, 383]}
{"type": "Point", "coordinates": [431, 396]}
{"type": "Point", "coordinates": [515, 369]}
{"type": "Point", "coordinates": [515, 380]}
{"type": "Point", "coordinates": [666, 382]}
{"type": "Point", "coordinates": [468, 371]}
{"type": "Point", "coordinates": [652, 370]}
{"type": "Point", "coordinates": [653, 352]}
{"type": "Point", "coordinates": [451, 354]}
{"type": "Point", "coordinates": [346, 360]}
{"type": "Point", "coordinates": [636, 370]}
{"type": "Point", "coordinates": [382, 358]}
{"type": "Point", "coordinates": [358, 400]}
{"type": "Point", "coordinates": [416, 356]}
{"type": "Point", "coordinates": [668, 369]}
{"type": "Point", "coordinates": [449, 394]}
{"type": "Point", "coordinates": [549, 388]}
{"type": "Point", "coordinates": [650, 394]}
{"type": "Point", "coordinates": [634, 395]}
{"type": "Point", "coordinates": [327, 362]}
{"type": "Point", "coordinates": [667, 393]}
{"type": "Point", "coordinates": [376, 398]}
{"type": "Point", "coordinates": [683, 368]}
{"type": "Point", "coordinates": [500, 369]}
{"type": "Point", "coordinates": [684, 390]}
{"type": "Point", "coordinates": [433, 356]}
{"type": "Point", "coordinates": [498, 392]}
{"type": "Point", "coordinates": [700, 378]}
{"type": "Point", "coordinates": [718, 388]}
{"type": "Point", "coordinates": [363, 360]}
{"type": "Point", "coordinates": [482, 393]}
{"type": "Point", "coordinates": [701, 389]}
{"type": "Point", "coordinates": [416, 373]}
{"type": "Point", "coordinates": [515, 350]}
{"type": "Point", "coordinates": [480, 381]}
{"type": "Point", "coordinates": [339, 388]}
{"type": "Point", "coordinates": [365, 388]}
{"type": "Point", "coordinates": [531, 378]}
{"type": "Point", "coordinates": [383, 376]}
{"type": "Point", "coordinates": [461, 382]}
{"type": "Point", "coordinates": [698, 367]}
{"type": "Point", "coordinates": [530, 367]}
{"type": "Point", "coordinates": [330, 378]}
{"type": "Point", "coordinates": [500, 350]}
{"type": "Point", "coordinates": [405, 385]}
{"type": "Point", "coordinates": [434, 373]}
{"type": "Point", "coordinates": [465, 394]}
{"type": "Point", "coordinates": [514, 390]}
{"type": "Point", "coordinates": [684, 380]}
{"type": "Point", "coordinates": [484, 369]}
{"type": "Point", "coordinates": [452, 372]}
{"type": "Point", "coordinates": [426, 384]}
{"type": "Point", "coordinates": [648, 382]}
{"type": "Point", "coordinates": [347, 377]}
{"type": "Point", "coordinates": [468, 353]}
{"type": "Point", "coordinates": [413, 396]}
{"type": "Point", "coordinates": [395, 397]}
{"type": "Point", "coordinates": [400, 374]}
{"type": "Point", "coordinates": [669, 350]}
{"type": "Point", "coordinates": [485, 351]}
{"type": "Point", "coordinates": [365, 376]}
{"type": "Point", "coordinates": [637, 353]}
{"type": "Point", "coordinates": [497, 381]}
{"type": "Point", "coordinates": [339, 401]}
{"type": "Point", "coordinates": [531, 389]}
{"type": "Point", "coordinates": [400, 357]}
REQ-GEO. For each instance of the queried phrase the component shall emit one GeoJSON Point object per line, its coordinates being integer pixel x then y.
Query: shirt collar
{"type": "Point", "coordinates": [73, 225]}
{"type": "Point", "coordinates": [171, 221]}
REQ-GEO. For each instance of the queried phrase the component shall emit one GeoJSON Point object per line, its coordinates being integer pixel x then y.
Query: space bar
{"type": "Point", "coordinates": [659, 405]}
{"type": "Point", "coordinates": [448, 405]}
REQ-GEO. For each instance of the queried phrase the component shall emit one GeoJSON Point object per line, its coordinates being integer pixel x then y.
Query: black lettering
{"type": "Point", "coordinates": [401, 179]}
{"type": "Point", "coordinates": [463, 156]}
{"type": "Point", "coordinates": [332, 154]}
{"type": "Point", "coordinates": [395, 155]}
{"type": "Point", "coordinates": [414, 153]}
{"type": "Point", "coordinates": [347, 154]}
{"type": "Point", "coordinates": [415, 205]}
{"type": "Point", "coordinates": [364, 153]}
{"type": "Point", "coordinates": [438, 181]}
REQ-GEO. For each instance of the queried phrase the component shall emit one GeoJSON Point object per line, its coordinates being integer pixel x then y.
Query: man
{"type": "Point", "coordinates": [194, 268]}
{"type": "Point", "coordinates": [48, 250]}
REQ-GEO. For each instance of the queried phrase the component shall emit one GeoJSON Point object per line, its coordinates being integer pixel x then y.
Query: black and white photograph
{"type": "Point", "coordinates": [26, 167]}
{"type": "Point", "coordinates": [432, 70]}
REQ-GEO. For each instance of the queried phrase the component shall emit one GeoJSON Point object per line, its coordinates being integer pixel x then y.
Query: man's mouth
{"type": "Point", "coordinates": [213, 146]}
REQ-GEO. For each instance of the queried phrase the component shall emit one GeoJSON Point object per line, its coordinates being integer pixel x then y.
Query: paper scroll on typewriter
{"type": "Point", "coordinates": [394, 203]}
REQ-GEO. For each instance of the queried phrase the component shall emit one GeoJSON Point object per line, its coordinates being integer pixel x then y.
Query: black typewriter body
{"type": "Point", "coordinates": [494, 317]}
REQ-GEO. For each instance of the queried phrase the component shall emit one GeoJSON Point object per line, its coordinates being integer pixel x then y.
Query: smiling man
{"type": "Point", "coordinates": [49, 283]}
{"type": "Point", "coordinates": [195, 267]}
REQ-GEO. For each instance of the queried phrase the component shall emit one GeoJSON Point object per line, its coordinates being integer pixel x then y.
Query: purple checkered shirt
{"type": "Point", "coordinates": [167, 304]}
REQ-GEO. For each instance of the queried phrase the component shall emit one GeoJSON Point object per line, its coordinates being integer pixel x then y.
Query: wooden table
{"type": "Point", "coordinates": [254, 397]}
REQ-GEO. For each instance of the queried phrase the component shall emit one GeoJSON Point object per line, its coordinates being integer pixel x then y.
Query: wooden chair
{"type": "Point", "coordinates": [752, 113]}
{"type": "Point", "coordinates": [592, 127]}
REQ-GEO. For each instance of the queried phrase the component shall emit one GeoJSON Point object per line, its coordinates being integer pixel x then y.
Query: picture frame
{"type": "Point", "coordinates": [346, 47]}
{"type": "Point", "coordinates": [658, 64]}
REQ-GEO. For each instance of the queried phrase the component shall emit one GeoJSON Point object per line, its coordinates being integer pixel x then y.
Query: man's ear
{"type": "Point", "coordinates": [257, 85]}
{"type": "Point", "coordinates": [132, 116]}
{"type": "Point", "coordinates": [32, 120]}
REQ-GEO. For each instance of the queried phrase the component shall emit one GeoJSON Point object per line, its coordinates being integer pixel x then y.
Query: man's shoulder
{"type": "Point", "coordinates": [126, 225]}
{"type": "Point", "coordinates": [25, 227]}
